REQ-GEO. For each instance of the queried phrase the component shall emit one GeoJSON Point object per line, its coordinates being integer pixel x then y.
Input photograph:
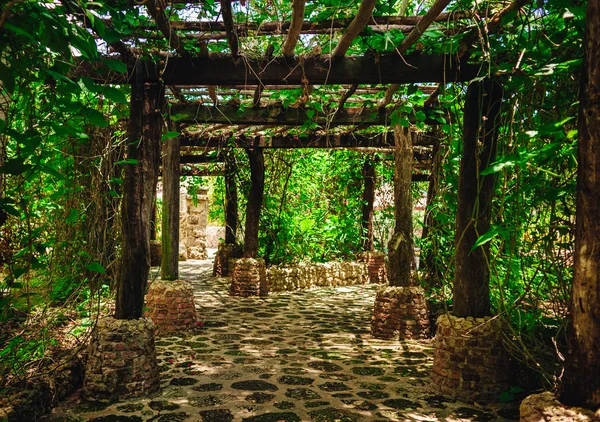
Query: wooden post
{"type": "Point", "coordinates": [367, 202]}
{"type": "Point", "coordinates": [581, 385]}
{"type": "Point", "coordinates": [426, 262]}
{"type": "Point", "coordinates": [231, 200]}
{"type": "Point", "coordinates": [139, 190]}
{"type": "Point", "coordinates": [169, 268]}
{"type": "Point", "coordinates": [475, 192]}
{"type": "Point", "coordinates": [257, 176]}
{"type": "Point", "coordinates": [400, 247]}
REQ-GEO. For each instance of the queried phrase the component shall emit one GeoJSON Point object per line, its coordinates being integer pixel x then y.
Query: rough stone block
{"type": "Point", "coordinates": [545, 407]}
{"type": "Point", "coordinates": [400, 312]}
{"type": "Point", "coordinates": [248, 277]}
{"type": "Point", "coordinates": [170, 304]}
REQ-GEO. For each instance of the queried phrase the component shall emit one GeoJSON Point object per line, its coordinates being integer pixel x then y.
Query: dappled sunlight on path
{"type": "Point", "coordinates": [287, 357]}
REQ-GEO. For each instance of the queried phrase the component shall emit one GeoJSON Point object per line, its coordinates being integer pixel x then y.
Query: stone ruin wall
{"type": "Point", "coordinates": [308, 275]}
{"type": "Point", "coordinates": [193, 221]}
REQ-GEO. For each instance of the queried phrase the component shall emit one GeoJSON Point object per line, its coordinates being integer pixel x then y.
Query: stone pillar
{"type": "Point", "coordinates": [170, 305]}
{"type": "Point", "coordinates": [400, 313]}
{"type": "Point", "coordinates": [545, 407]}
{"type": "Point", "coordinates": [248, 277]}
{"type": "Point", "coordinates": [469, 361]}
{"type": "Point", "coordinates": [197, 220]}
{"type": "Point", "coordinates": [155, 253]}
{"type": "Point", "coordinates": [122, 360]}
{"type": "Point", "coordinates": [225, 253]}
{"type": "Point", "coordinates": [376, 266]}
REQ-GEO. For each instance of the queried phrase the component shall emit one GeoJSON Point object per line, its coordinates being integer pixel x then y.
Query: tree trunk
{"type": "Point", "coordinates": [581, 382]}
{"type": "Point", "coordinates": [426, 261]}
{"type": "Point", "coordinates": [475, 192]}
{"type": "Point", "coordinates": [153, 221]}
{"type": "Point", "coordinates": [231, 199]}
{"type": "Point", "coordinates": [367, 202]}
{"type": "Point", "coordinates": [169, 267]}
{"type": "Point", "coordinates": [139, 190]}
{"type": "Point", "coordinates": [400, 247]}
{"type": "Point", "coordinates": [257, 177]}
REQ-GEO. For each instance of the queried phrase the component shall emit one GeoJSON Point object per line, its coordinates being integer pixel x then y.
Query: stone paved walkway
{"type": "Point", "coordinates": [301, 356]}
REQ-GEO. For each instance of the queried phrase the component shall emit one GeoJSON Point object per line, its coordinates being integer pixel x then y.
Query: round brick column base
{"type": "Point", "coordinates": [545, 407]}
{"type": "Point", "coordinates": [400, 313]}
{"type": "Point", "coordinates": [155, 253]}
{"type": "Point", "coordinates": [170, 305]}
{"type": "Point", "coordinates": [376, 266]}
{"type": "Point", "coordinates": [248, 277]}
{"type": "Point", "coordinates": [224, 254]}
{"type": "Point", "coordinates": [121, 361]}
{"type": "Point", "coordinates": [469, 360]}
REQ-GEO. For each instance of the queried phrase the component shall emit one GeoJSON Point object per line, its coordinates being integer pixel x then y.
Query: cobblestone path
{"type": "Point", "coordinates": [301, 356]}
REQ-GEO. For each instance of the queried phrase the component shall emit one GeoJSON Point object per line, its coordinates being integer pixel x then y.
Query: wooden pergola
{"type": "Point", "coordinates": [218, 101]}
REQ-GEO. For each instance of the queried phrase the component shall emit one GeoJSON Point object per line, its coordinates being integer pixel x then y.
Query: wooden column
{"type": "Point", "coordinates": [231, 199]}
{"type": "Point", "coordinates": [400, 247]}
{"type": "Point", "coordinates": [475, 192]}
{"type": "Point", "coordinates": [169, 267]}
{"type": "Point", "coordinates": [367, 202]}
{"type": "Point", "coordinates": [581, 381]}
{"type": "Point", "coordinates": [426, 261]}
{"type": "Point", "coordinates": [257, 176]}
{"type": "Point", "coordinates": [139, 190]}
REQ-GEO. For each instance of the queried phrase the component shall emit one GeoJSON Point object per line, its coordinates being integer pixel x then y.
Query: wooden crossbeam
{"type": "Point", "coordinates": [316, 70]}
{"type": "Point", "coordinates": [199, 159]}
{"type": "Point", "coordinates": [291, 141]}
{"type": "Point", "coordinates": [279, 116]}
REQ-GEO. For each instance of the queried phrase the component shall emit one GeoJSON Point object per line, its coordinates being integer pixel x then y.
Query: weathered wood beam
{"type": "Point", "coordinates": [414, 35]}
{"type": "Point", "coordinates": [193, 171]}
{"type": "Point", "coordinates": [474, 206]}
{"type": "Point", "coordinates": [169, 266]}
{"type": "Point", "coordinates": [292, 141]}
{"type": "Point", "coordinates": [359, 22]}
{"type": "Point", "coordinates": [232, 38]}
{"type": "Point", "coordinates": [200, 114]}
{"type": "Point", "coordinates": [294, 29]}
{"type": "Point", "coordinates": [467, 43]}
{"type": "Point", "coordinates": [198, 159]}
{"type": "Point", "coordinates": [320, 70]}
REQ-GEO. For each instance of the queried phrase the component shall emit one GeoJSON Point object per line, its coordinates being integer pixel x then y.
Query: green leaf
{"type": "Point", "coordinates": [9, 208]}
{"type": "Point", "coordinates": [489, 235]}
{"type": "Point", "coordinates": [72, 217]}
{"type": "Point", "coordinates": [170, 135]}
{"type": "Point", "coordinates": [127, 161]}
{"type": "Point", "coordinates": [14, 166]}
{"type": "Point", "coordinates": [95, 117]}
{"type": "Point", "coordinates": [95, 267]}
{"type": "Point", "coordinates": [7, 78]}
{"type": "Point", "coordinates": [19, 31]}
{"type": "Point", "coordinates": [115, 95]}
{"type": "Point", "coordinates": [509, 160]}
{"type": "Point", "coordinates": [116, 65]}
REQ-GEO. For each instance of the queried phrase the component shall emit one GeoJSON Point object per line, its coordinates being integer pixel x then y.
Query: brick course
{"type": "Point", "coordinates": [170, 305]}
{"type": "Point", "coordinates": [400, 313]}
{"type": "Point", "coordinates": [248, 277]}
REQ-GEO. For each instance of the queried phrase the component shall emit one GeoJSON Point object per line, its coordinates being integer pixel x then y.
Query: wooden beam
{"type": "Point", "coordinates": [292, 141]}
{"type": "Point", "coordinates": [320, 70]}
{"type": "Point", "coordinates": [294, 29]}
{"type": "Point", "coordinates": [360, 116]}
{"type": "Point", "coordinates": [359, 22]}
{"type": "Point", "coordinates": [192, 171]}
{"type": "Point", "coordinates": [199, 159]}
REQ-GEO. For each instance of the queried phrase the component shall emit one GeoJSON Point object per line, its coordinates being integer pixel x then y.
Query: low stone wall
{"type": "Point", "coordinates": [248, 277]}
{"type": "Point", "coordinates": [376, 266]}
{"type": "Point", "coordinates": [545, 407]}
{"type": "Point", "coordinates": [171, 306]}
{"type": "Point", "coordinates": [469, 360]}
{"type": "Point", "coordinates": [400, 313]}
{"type": "Point", "coordinates": [224, 254]}
{"type": "Point", "coordinates": [121, 360]}
{"type": "Point", "coordinates": [307, 275]}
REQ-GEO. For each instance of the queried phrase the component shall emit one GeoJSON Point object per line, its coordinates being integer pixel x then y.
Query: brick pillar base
{"type": "Point", "coordinates": [400, 312]}
{"type": "Point", "coordinates": [171, 306]}
{"type": "Point", "coordinates": [545, 407]}
{"type": "Point", "coordinates": [248, 277]}
{"type": "Point", "coordinates": [376, 266]}
{"type": "Point", "coordinates": [224, 254]}
{"type": "Point", "coordinates": [121, 361]}
{"type": "Point", "coordinates": [155, 253]}
{"type": "Point", "coordinates": [469, 360]}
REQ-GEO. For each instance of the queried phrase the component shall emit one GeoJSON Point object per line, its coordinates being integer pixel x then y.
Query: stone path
{"type": "Point", "coordinates": [301, 356]}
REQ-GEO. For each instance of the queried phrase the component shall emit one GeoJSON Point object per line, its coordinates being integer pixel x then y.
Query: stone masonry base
{"type": "Point", "coordinates": [121, 361]}
{"type": "Point", "coordinates": [248, 277]}
{"type": "Point", "coordinates": [224, 254]}
{"type": "Point", "coordinates": [376, 266]}
{"type": "Point", "coordinates": [400, 312]}
{"type": "Point", "coordinates": [545, 407]}
{"type": "Point", "coordinates": [469, 360]}
{"type": "Point", "coordinates": [308, 275]}
{"type": "Point", "coordinates": [171, 306]}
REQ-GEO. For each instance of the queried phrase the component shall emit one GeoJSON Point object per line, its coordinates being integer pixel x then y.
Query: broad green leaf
{"type": "Point", "coordinates": [7, 78]}
{"type": "Point", "coordinates": [489, 235]}
{"type": "Point", "coordinates": [127, 161]}
{"type": "Point", "coordinates": [170, 135]}
{"type": "Point", "coordinates": [116, 65]}
{"type": "Point", "coordinates": [115, 95]}
{"type": "Point", "coordinates": [72, 217]}
{"type": "Point", "coordinates": [95, 117]}
{"type": "Point", "coordinates": [95, 267]}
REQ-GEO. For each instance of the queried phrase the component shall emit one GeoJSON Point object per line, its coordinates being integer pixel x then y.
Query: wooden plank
{"type": "Point", "coordinates": [223, 70]}
{"type": "Point", "coordinates": [280, 116]}
{"type": "Point", "coordinates": [291, 141]}
{"type": "Point", "coordinates": [201, 159]}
